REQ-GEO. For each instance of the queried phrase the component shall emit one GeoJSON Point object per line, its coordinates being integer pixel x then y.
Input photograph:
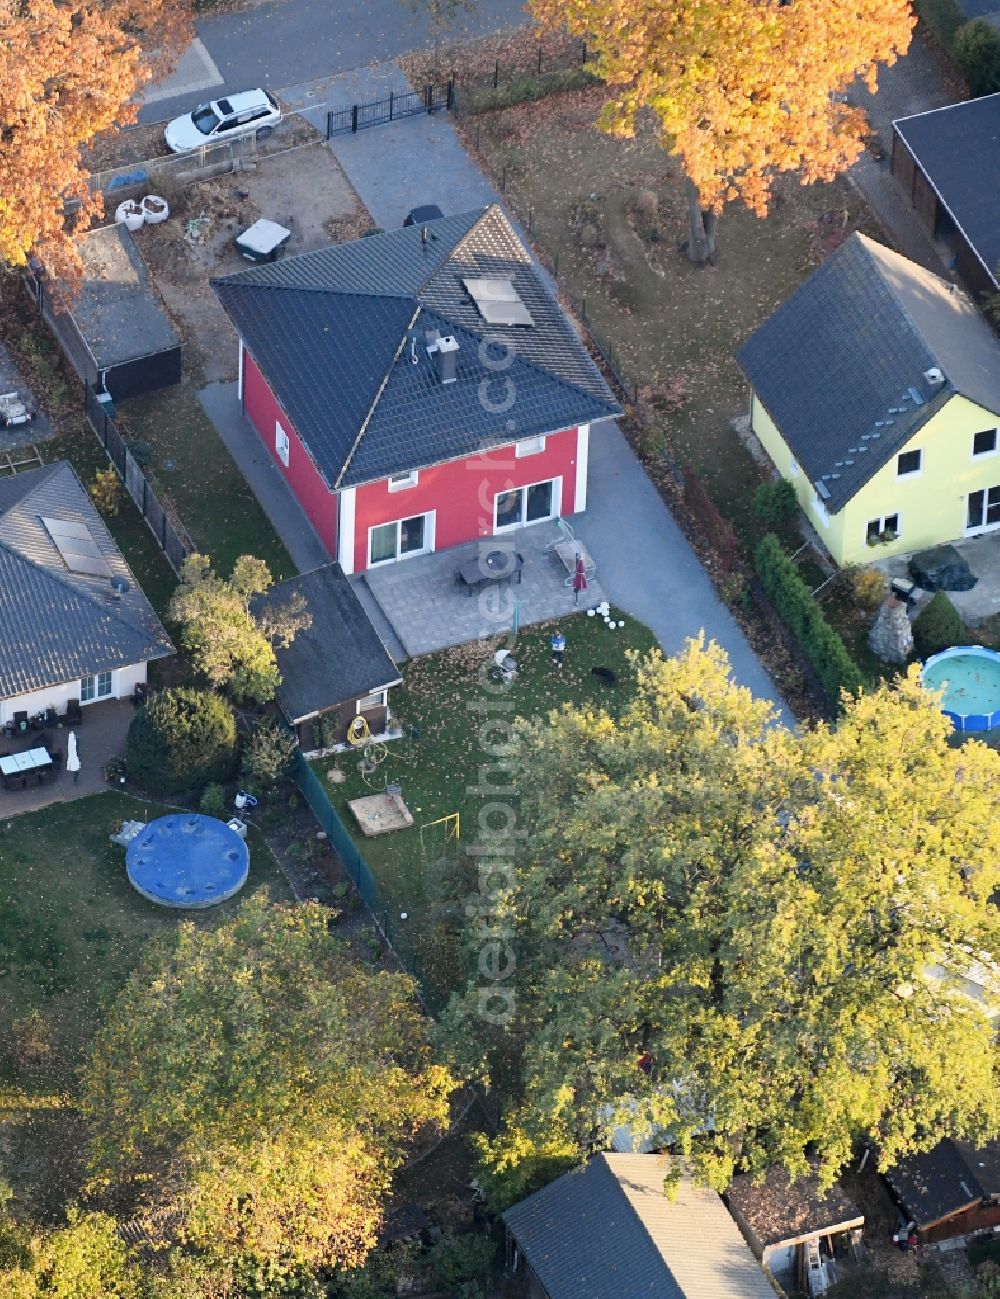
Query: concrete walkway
{"type": "Point", "coordinates": [647, 566]}
{"type": "Point", "coordinates": [403, 164]}
{"type": "Point", "coordinates": [222, 406]}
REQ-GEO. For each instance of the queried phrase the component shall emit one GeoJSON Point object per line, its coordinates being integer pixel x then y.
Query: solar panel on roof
{"type": "Point", "coordinates": [497, 301]}
{"type": "Point", "coordinates": [77, 547]}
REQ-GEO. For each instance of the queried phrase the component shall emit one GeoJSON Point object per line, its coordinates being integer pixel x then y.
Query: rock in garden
{"type": "Point", "coordinates": [891, 637]}
{"type": "Point", "coordinates": [941, 568]}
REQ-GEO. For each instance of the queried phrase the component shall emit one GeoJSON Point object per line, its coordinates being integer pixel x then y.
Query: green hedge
{"type": "Point", "coordinates": [525, 88]}
{"type": "Point", "coordinates": [943, 17]}
{"type": "Point", "coordinates": [800, 611]}
{"type": "Point", "coordinates": [977, 53]}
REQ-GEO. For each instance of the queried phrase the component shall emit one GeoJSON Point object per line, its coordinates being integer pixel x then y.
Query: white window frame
{"type": "Point", "coordinates": [911, 473]}
{"type": "Point", "coordinates": [400, 482]}
{"type": "Point", "coordinates": [981, 528]}
{"type": "Point", "coordinates": [377, 699]}
{"type": "Point", "coordinates": [98, 694]}
{"type": "Point", "coordinates": [895, 514]}
{"type": "Point", "coordinates": [430, 521]}
{"type": "Point", "coordinates": [985, 455]}
{"type": "Point", "coordinates": [529, 447]}
{"type": "Point", "coordinates": [282, 445]}
{"type": "Point", "coordinates": [556, 505]}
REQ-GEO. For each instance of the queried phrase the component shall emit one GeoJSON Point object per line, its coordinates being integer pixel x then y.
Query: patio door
{"type": "Point", "coordinates": [95, 687]}
{"type": "Point", "coordinates": [524, 505]}
{"type": "Point", "coordinates": [983, 510]}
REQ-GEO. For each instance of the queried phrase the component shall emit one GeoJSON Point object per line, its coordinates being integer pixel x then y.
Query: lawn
{"type": "Point", "coordinates": [438, 761]}
{"type": "Point", "coordinates": [213, 499]}
{"type": "Point", "coordinates": [610, 214]}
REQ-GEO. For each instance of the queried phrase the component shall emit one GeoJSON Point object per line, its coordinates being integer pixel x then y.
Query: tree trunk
{"type": "Point", "coordinates": [700, 245]}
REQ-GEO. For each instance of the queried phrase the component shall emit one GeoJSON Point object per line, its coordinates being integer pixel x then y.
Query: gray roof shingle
{"type": "Point", "coordinates": [608, 1231]}
{"type": "Point", "coordinates": [946, 1179]}
{"type": "Point", "coordinates": [56, 625]}
{"type": "Point", "coordinates": [339, 657]}
{"type": "Point", "coordinates": [958, 150]}
{"type": "Point", "coordinates": [840, 365]}
{"type": "Point", "coordinates": [332, 332]}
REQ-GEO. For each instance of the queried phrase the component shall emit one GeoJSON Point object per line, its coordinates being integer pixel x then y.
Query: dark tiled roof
{"type": "Point", "coordinates": [56, 626]}
{"type": "Point", "coordinates": [608, 1231]}
{"type": "Point", "coordinates": [840, 365]}
{"type": "Point", "coordinates": [340, 657]}
{"type": "Point", "coordinates": [958, 150]}
{"type": "Point", "coordinates": [332, 332]}
{"type": "Point", "coordinates": [779, 1209]}
{"type": "Point", "coordinates": [117, 310]}
{"type": "Point", "coordinates": [946, 1179]}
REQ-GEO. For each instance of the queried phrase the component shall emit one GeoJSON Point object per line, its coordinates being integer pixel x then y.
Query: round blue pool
{"type": "Point", "coordinates": [969, 676]}
{"type": "Point", "coordinates": [187, 860]}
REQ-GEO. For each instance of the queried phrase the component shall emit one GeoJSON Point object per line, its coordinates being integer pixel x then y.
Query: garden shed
{"type": "Point", "coordinates": [115, 332]}
{"type": "Point", "coordinates": [947, 161]}
{"type": "Point", "coordinates": [338, 668]}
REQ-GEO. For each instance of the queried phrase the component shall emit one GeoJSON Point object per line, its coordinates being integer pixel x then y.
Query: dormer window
{"type": "Point", "coordinates": [985, 442]}
{"type": "Point", "coordinates": [908, 463]}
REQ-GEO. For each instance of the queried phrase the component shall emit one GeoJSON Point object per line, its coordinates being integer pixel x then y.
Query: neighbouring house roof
{"type": "Point", "coordinates": [335, 332]}
{"type": "Point", "coordinates": [116, 308]}
{"type": "Point", "coordinates": [339, 657]}
{"type": "Point", "coordinates": [946, 1179]}
{"type": "Point", "coordinates": [841, 367]}
{"type": "Point", "coordinates": [608, 1231]}
{"type": "Point", "coordinates": [780, 1211]}
{"type": "Point", "coordinates": [56, 624]}
{"type": "Point", "coordinates": [958, 150]}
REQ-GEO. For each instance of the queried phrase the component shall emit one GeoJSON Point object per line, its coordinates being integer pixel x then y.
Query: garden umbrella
{"type": "Point", "coordinates": [579, 578]}
{"type": "Point", "coordinates": [72, 757]}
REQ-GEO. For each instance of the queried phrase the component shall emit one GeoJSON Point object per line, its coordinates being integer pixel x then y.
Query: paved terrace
{"type": "Point", "coordinates": [100, 738]}
{"type": "Point", "coordinates": [428, 611]}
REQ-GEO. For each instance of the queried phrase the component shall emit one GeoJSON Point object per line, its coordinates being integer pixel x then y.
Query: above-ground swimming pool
{"type": "Point", "coordinates": [187, 860]}
{"type": "Point", "coordinates": [969, 675]}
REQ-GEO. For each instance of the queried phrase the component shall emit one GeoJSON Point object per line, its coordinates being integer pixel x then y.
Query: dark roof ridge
{"type": "Point", "coordinates": [483, 213]}
{"type": "Point", "coordinates": [81, 592]}
{"type": "Point", "coordinates": [232, 282]}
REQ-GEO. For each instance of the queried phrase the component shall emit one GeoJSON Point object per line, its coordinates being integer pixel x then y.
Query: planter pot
{"type": "Point", "coordinates": [131, 213]}
{"type": "Point", "coordinates": [155, 209]}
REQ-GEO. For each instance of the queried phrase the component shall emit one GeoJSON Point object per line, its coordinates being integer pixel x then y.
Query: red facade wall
{"type": "Point", "coordinates": [315, 497]}
{"type": "Point", "coordinates": [462, 492]}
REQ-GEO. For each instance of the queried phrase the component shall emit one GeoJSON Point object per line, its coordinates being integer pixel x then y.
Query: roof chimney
{"type": "Point", "coordinates": [934, 378]}
{"type": "Point", "coordinates": [444, 349]}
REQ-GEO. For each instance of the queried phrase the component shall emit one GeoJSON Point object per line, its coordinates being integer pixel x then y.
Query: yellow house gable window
{"type": "Point", "coordinates": [908, 463]}
{"type": "Point", "coordinates": [984, 443]}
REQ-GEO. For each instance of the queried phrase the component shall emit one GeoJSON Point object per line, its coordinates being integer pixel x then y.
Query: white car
{"type": "Point", "coordinates": [251, 112]}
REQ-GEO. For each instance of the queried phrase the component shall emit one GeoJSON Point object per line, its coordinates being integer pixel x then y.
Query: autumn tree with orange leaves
{"type": "Point", "coordinates": [68, 70]}
{"type": "Point", "coordinates": [743, 89]}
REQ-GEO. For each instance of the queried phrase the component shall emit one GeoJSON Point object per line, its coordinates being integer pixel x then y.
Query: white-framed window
{"type": "Point", "coordinates": [982, 510]}
{"type": "Point", "coordinates": [521, 505]}
{"type": "Point", "coordinates": [529, 446]}
{"type": "Point", "coordinates": [399, 482]}
{"type": "Point", "coordinates": [402, 537]}
{"type": "Point", "coordinates": [95, 687]}
{"type": "Point", "coordinates": [984, 443]}
{"type": "Point", "coordinates": [377, 700]}
{"type": "Point", "coordinates": [281, 444]}
{"type": "Point", "coordinates": [885, 528]}
{"type": "Point", "coordinates": [909, 463]}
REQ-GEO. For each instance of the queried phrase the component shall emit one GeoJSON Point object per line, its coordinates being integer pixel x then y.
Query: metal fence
{"type": "Point", "coordinates": [391, 107]}
{"type": "Point", "coordinates": [166, 528]}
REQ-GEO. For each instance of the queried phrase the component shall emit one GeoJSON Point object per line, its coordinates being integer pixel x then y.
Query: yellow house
{"type": "Point", "coordinates": [876, 392]}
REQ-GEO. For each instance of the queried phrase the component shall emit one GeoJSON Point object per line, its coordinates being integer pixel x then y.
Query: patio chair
{"type": "Point", "coordinates": [564, 534]}
{"type": "Point", "coordinates": [74, 713]}
{"type": "Point", "coordinates": [20, 722]}
{"type": "Point", "coordinates": [57, 759]}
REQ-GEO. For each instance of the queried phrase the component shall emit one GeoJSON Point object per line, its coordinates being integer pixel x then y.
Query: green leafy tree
{"type": "Point", "coordinates": [181, 739]}
{"type": "Point", "coordinates": [776, 503]}
{"type": "Point", "coordinates": [85, 1259]}
{"type": "Point", "coordinates": [229, 642]}
{"type": "Point", "coordinates": [977, 53]}
{"type": "Point", "coordinates": [264, 1086]}
{"type": "Point", "coordinates": [724, 929]}
{"type": "Point", "coordinates": [267, 755]}
{"type": "Point", "coordinates": [937, 626]}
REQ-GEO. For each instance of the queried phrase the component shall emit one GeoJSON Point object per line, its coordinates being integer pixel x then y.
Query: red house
{"type": "Point", "coordinates": [419, 389]}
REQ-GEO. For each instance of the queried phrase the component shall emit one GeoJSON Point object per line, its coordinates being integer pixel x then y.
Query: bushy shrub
{"type": "Point", "coordinates": [937, 626]}
{"type": "Point", "coordinates": [868, 586]}
{"type": "Point", "coordinates": [106, 492]}
{"type": "Point", "coordinates": [526, 88]}
{"type": "Point", "coordinates": [213, 800]}
{"type": "Point", "coordinates": [267, 755]}
{"type": "Point", "coordinates": [800, 611]}
{"type": "Point", "coordinates": [977, 53]}
{"type": "Point", "coordinates": [181, 739]}
{"type": "Point", "coordinates": [455, 1260]}
{"type": "Point", "coordinates": [943, 17]}
{"type": "Point", "coordinates": [776, 503]}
